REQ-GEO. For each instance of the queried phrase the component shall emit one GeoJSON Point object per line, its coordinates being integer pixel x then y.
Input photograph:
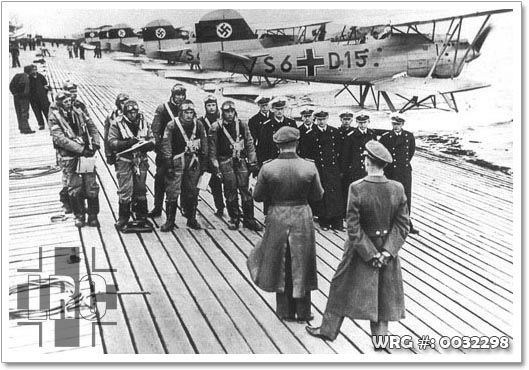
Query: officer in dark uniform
{"type": "Point", "coordinates": [38, 96]}
{"type": "Point", "coordinates": [352, 160]}
{"type": "Point", "coordinates": [401, 144]}
{"type": "Point", "coordinates": [184, 151]}
{"type": "Point", "coordinates": [307, 122]}
{"type": "Point", "coordinates": [232, 157]}
{"type": "Point", "coordinates": [215, 184]}
{"type": "Point", "coordinates": [256, 121]}
{"type": "Point", "coordinates": [346, 118]}
{"type": "Point", "coordinates": [368, 283]}
{"type": "Point", "coordinates": [266, 148]}
{"type": "Point", "coordinates": [322, 144]}
{"type": "Point", "coordinates": [162, 116]}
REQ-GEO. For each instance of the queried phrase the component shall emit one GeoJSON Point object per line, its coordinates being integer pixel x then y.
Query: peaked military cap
{"type": "Point", "coordinates": [279, 103]}
{"type": "Point", "coordinates": [377, 151]}
{"type": "Point", "coordinates": [262, 100]}
{"type": "Point", "coordinates": [286, 134]}
{"type": "Point", "coordinates": [320, 113]}
{"type": "Point", "coordinates": [306, 112]}
{"type": "Point", "coordinates": [397, 118]}
{"type": "Point", "coordinates": [362, 116]}
{"type": "Point", "coordinates": [346, 114]}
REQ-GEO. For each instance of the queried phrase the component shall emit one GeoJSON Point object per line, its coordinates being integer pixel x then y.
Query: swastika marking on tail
{"type": "Point", "coordinates": [121, 33]}
{"type": "Point", "coordinates": [160, 33]}
{"type": "Point", "coordinates": [224, 30]}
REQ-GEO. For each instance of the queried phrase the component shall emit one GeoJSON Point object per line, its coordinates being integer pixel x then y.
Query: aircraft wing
{"type": "Point", "coordinates": [437, 20]}
{"type": "Point", "coordinates": [172, 53]}
{"type": "Point", "coordinates": [244, 56]}
{"type": "Point", "coordinates": [417, 86]}
{"type": "Point", "coordinates": [311, 24]}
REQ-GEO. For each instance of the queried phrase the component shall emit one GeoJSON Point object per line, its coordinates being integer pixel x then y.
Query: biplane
{"type": "Point", "coordinates": [400, 59]}
{"type": "Point", "coordinates": [163, 41]}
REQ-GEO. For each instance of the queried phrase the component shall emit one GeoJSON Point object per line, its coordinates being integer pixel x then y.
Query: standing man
{"type": "Point", "coordinates": [81, 52]}
{"type": "Point", "coordinates": [15, 53]}
{"type": "Point", "coordinates": [71, 87]}
{"type": "Point", "coordinates": [70, 54]}
{"type": "Point", "coordinates": [19, 87]}
{"type": "Point", "coordinates": [115, 115]}
{"type": "Point", "coordinates": [215, 184]}
{"type": "Point", "coordinates": [184, 150]}
{"type": "Point", "coordinates": [256, 121]}
{"type": "Point", "coordinates": [352, 161]}
{"type": "Point", "coordinates": [125, 131]}
{"type": "Point", "coordinates": [38, 96]}
{"type": "Point", "coordinates": [401, 144]}
{"type": "Point", "coordinates": [307, 122]}
{"type": "Point", "coordinates": [323, 145]}
{"type": "Point", "coordinates": [266, 148]}
{"type": "Point", "coordinates": [76, 137]}
{"type": "Point", "coordinates": [367, 284]}
{"type": "Point", "coordinates": [346, 118]}
{"type": "Point", "coordinates": [162, 116]}
{"type": "Point", "coordinates": [232, 156]}
{"type": "Point", "coordinates": [76, 49]}
{"type": "Point", "coordinates": [284, 261]}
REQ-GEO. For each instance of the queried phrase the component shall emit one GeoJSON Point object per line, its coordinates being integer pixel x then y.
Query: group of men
{"type": "Point", "coordinates": [313, 169]}
{"type": "Point", "coordinates": [30, 88]}
{"type": "Point", "coordinates": [336, 151]}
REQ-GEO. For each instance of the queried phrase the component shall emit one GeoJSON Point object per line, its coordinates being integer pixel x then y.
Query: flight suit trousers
{"type": "Point", "coordinates": [182, 180]}
{"type": "Point", "coordinates": [215, 184]}
{"type": "Point", "coordinates": [131, 185]}
{"type": "Point", "coordinates": [235, 177]}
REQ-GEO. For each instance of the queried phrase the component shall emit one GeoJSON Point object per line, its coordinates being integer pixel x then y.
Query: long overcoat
{"type": "Point", "coordinates": [286, 183]}
{"type": "Point", "coordinates": [377, 220]}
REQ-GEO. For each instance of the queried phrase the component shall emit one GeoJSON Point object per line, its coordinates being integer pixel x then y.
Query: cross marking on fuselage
{"type": "Point", "coordinates": [310, 63]}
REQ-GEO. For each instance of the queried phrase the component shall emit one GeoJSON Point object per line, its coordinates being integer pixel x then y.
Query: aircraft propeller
{"type": "Point", "coordinates": [478, 44]}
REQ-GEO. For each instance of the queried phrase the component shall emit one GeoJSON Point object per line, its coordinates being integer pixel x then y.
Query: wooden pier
{"type": "Point", "coordinates": [189, 291]}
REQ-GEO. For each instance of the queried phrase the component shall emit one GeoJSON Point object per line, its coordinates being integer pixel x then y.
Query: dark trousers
{"type": "Point", "coordinates": [40, 108]}
{"type": "Point", "coordinates": [22, 109]}
{"type": "Point", "coordinates": [287, 307]}
{"type": "Point", "coordinates": [215, 184]}
{"type": "Point", "coordinates": [16, 62]}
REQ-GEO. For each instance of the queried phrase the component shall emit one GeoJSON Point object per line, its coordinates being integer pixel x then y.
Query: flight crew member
{"type": "Point", "coordinates": [72, 89]}
{"type": "Point", "coordinates": [215, 184]}
{"type": "Point", "coordinates": [284, 261]}
{"type": "Point", "coordinates": [367, 284]}
{"type": "Point", "coordinates": [352, 161]}
{"type": "Point", "coordinates": [115, 115]}
{"type": "Point", "coordinates": [323, 145]}
{"type": "Point", "coordinates": [126, 130]}
{"type": "Point", "coordinates": [257, 120]}
{"type": "Point", "coordinates": [232, 157]}
{"type": "Point", "coordinates": [401, 144]}
{"type": "Point", "coordinates": [184, 152]}
{"type": "Point", "coordinates": [346, 118]}
{"type": "Point", "coordinates": [266, 148]}
{"type": "Point", "coordinates": [75, 135]}
{"type": "Point", "coordinates": [162, 116]}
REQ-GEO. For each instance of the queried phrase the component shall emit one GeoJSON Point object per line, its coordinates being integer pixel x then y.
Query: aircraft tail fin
{"type": "Point", "coordinates": [158, 30]}
{"type": "Point", "coordinates": [223, 25]}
